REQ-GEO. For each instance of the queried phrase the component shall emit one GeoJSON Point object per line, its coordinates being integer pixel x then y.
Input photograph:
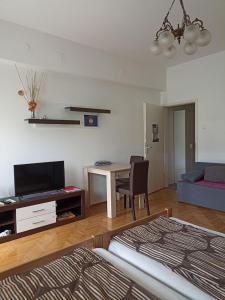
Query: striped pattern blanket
{"type": "Point", "coordinates": [190, 252]}
{"type": "Point", "coordinates": [79, 275]}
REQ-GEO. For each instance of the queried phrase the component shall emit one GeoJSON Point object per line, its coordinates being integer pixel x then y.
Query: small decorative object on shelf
{"type": "Point", "coordinates": [90, 121]}
{"type": "Point", "coordinates": [31, 85]}
{"type": "Point", "coordinates": [5, 233]}
{"type": "Point", "coordinates": [65, 216]}
{"type": "Point", "coordinates": [70, 189]}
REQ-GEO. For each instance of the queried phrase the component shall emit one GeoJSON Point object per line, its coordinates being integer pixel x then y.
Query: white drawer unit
{"type": "Point", "coordinates": [35, 210]}
{"type": "Point", "coordinates": [35, 222]}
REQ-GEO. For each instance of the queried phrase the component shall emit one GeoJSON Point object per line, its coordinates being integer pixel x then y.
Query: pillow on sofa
{"type": "Point", "coordinates": [193, 176]}
{"type": "Point", "coordinates": [215, 174]}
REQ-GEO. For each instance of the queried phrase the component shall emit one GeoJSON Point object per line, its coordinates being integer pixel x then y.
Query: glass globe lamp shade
{"type": "Point", "coordinates": [155, 48]}
{"type": "Point", "coordinates": [166, 39]}
{"type": "Point", "coordinates": [204, 38]}
{"type": "Point", "coordinates": [190, 48]}
{"type": "Point", "coordinates": [191, 32]}
{"type": "Point", "coordinates": [170, 51]}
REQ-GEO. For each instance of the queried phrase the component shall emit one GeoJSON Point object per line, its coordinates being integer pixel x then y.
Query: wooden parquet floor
{"type": "Point", "coordinates": [27, 249]}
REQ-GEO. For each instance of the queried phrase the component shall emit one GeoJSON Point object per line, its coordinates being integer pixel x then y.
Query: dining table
{"type": "Point", "coordinates": [111, 172]}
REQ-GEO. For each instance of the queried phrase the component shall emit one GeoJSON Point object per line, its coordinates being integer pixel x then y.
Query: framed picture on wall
{"type": "Point", "coordinates": [155, 133]}
{"type": "Point", "coordinates": [90, 121]}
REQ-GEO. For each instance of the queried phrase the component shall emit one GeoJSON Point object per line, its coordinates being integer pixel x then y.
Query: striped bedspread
{"type": "Point", "coordinates": [192, 253]}
{"type": "Point", "coordinates": [79, 275]}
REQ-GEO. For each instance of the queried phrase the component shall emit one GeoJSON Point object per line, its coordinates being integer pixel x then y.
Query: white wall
{"type": "Point", "coordinates": [119, 134]}
{"type": "Point", "coordinates": [77, 75]}
{"type": "Point", "coordinates": [32, 47]}
{"type": "Point", "coordinates": [202, 79]}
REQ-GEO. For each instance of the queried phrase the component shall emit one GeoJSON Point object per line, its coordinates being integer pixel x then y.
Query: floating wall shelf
{"type": "Point", "coordinates": [89, 109]}
{"type": "Point", "coordinates": [53, 121]}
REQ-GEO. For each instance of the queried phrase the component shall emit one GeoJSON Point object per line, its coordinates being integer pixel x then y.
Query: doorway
{"type": "Point", "coordinates": [181, 140]}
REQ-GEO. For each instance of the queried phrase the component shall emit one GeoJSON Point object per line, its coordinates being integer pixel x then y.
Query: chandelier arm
{"type": "Point", "coordinates": [183, 8]}
{"type": "Point", "coordinates": [199, 22]}
{"type": "Point", "coordinates": [167, 15]}
{"type": "Point", "coordinates": [165, 26]}
{"type": "Point", "coordinates": [187, 20]}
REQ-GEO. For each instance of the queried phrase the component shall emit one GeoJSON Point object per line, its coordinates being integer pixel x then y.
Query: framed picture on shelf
{"type": "Point", "coordinates": [90, 121]}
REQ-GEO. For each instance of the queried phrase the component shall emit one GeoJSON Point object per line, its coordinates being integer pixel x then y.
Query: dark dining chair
{"type": "Point", "coordinates": [123, 180]}
{"type": "Point", "coordinates": [137, 185]}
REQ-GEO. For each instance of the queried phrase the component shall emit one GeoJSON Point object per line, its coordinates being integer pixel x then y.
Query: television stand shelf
{"type": "Point", "coordinates": [25, 217]}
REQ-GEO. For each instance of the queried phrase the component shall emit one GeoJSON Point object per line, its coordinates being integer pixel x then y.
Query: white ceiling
{"type": "Point", "coordinates": [122, 27]}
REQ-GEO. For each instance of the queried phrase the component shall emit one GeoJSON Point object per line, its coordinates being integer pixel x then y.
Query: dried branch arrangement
{"type": "Point", "coordinates": [31, 84]}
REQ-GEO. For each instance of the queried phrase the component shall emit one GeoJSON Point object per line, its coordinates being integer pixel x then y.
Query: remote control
{"type": "Point", "coordinates": [9, 201]}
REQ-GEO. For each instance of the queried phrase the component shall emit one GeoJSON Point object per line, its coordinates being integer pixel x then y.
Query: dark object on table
{"type": "Point", "coordinates": [138, 184]}
{"type": "Point", "coordinates": [102, 163]}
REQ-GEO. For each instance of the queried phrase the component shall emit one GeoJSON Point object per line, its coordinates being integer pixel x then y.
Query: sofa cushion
{"type": "Point", "coordinates": [210, 184]}
{"type": "Point", "coordinates": [193, 176]}
{"type": "Point", "coordinates": [215, 174]}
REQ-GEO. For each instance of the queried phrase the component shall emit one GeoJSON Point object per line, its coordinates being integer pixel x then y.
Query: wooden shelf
{"type": "Point", "coordinates": [67, 221]}
{"type": "Point", "coordinates": [89, 109]}
{"type": "Point", "coordinates": [68, 207]}
{"type": "Point", "coordinates": [74, 201]}
{"type": "Point", "coordinates": [6, 221]}
{"type": "Point", "coordinates": [53, 121]}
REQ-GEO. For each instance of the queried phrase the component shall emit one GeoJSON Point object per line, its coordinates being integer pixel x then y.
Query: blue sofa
{"type": "Point", "coordinates": [202, 195]}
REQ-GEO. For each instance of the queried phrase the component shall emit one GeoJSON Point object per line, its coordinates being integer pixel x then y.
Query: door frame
{"type": "Point", "coordinates": [184, 102]}
{"type": "Point", "coordinates": [180, 103]}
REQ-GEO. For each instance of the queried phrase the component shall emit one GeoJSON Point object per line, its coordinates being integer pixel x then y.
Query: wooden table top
{"type": "Point", "coordinates": [114, 167]}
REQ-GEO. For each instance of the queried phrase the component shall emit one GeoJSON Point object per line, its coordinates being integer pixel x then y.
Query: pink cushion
{"type": "Point", "coordinates": [210, 184]}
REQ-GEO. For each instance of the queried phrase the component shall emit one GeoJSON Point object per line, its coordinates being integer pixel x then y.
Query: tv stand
{"type": "Point", "coordinates": [40, 195]}
{"type": "Point", "coordinates": [41, 212]}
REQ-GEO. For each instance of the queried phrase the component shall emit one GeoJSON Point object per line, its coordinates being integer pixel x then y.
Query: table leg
{"type": "Point", "coordinates": [87, 187]}
{"type": "Point", "coordinates": [111, 194]}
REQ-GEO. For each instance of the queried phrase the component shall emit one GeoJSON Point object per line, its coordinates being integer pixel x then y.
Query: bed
{"type": "Point", "coordinates": [194, 273]}
{"type": "Point", "coordinates": [83, 273]}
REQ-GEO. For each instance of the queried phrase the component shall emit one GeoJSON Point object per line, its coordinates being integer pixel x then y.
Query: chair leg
{"type": "Point", "coordinates": [133, 207]}
{"type": "Point", "coordinates": [147, 203]}
{"type": "Point", "coordinates": [125, 201]}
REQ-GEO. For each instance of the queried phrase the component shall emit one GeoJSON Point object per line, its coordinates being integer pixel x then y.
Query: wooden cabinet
{"type": "Point", "coordinates": [35, 210]}
{"type": "Point", "coordinates": [36, 214]}
{"type": "Point", "coordinates": [35, 222]}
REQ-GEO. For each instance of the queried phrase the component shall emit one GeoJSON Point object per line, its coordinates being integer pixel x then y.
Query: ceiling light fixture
{"type": "Point", "coordinates": [193, 32]}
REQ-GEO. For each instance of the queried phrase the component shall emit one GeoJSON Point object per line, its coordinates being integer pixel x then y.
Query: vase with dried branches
{"type": "Point", "coordinates": [31, 86]}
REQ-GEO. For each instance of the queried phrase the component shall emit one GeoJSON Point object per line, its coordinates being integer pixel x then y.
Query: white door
{"type": "Point", "coordinates": [154, 144]}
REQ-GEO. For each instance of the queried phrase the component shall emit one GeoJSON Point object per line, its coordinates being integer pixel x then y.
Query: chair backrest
{"type": "Point", "coordinates": [139, 177]}
{"type": "Point", "coordinates": [136, 158]}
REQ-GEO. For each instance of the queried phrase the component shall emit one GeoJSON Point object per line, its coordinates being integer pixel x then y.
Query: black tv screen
{"type": "Point", "coordinates": [38, 177]}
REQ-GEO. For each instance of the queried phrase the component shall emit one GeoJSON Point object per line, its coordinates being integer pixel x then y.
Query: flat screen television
{"type": "Point", "coordinates": [39, 177]}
